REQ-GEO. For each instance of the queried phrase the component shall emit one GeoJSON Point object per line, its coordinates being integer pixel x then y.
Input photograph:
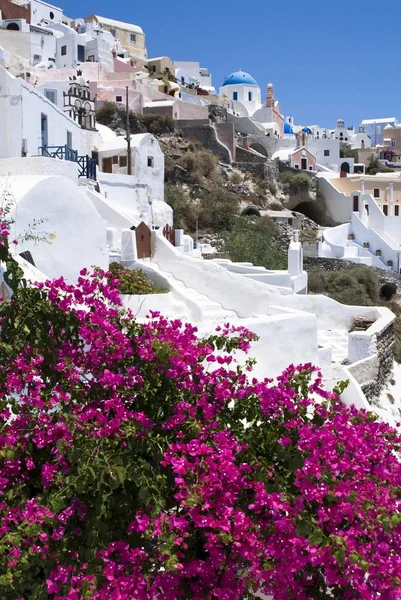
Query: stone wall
{"type": "Point", "coordinates": [206, 135]}
{"type": "Point", "coordinates": [327, 264]}
{"type": "Point", "coordinates": [244, 155]}
{"type": "Point", "coordinates": [226, 136]}
{"type": "Point", "coordinates": [373, 373]}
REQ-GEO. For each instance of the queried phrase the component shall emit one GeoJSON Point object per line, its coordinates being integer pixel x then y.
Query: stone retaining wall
{"type": "Point", "coordinates": [373, 373]}
{"type": "Point", "coordinates": [206, 135]}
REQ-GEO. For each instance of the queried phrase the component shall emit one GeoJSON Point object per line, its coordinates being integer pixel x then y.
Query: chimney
{"type": "Point", "coordinates": [269, 96]}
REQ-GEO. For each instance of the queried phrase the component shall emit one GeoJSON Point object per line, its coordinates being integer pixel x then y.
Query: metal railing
{"type": "Point", "coordinates": [62, 152]}
{"type": "Point", "coordinates": [86, 164]}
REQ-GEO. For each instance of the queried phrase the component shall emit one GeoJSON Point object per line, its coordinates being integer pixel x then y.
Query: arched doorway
{"type": "Point", "coordinates": [251, 211]}
{"type": "Point", "coordinates": [345, 167]}
{"type": "Point", "coordinates": [13, 27]}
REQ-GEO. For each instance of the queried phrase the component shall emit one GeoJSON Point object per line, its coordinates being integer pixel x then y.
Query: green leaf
{"type": "Point", "coordinates": [340, 556]}
{"type": "Point", "coordinates": [316, 537]}
{"type": "Point", "coordinates": [121, 473]}
{"type": "Point", "coordinates": [303, 528]}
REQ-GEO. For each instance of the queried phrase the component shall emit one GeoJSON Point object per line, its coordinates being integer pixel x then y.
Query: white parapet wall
{"type": "Point", "coordinates": [251, 299]}
{"type": "Point", "coordinates": [39, 165]}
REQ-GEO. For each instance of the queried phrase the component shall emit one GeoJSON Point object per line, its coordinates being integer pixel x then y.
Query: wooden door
{"type": "Point", "coordinates": [169, 234]}
{"type": "Point", "coordinates": [396, 210]}
{"type": "Point", "coordinates": [108, 165]}
{"type": "Point", "coordinates": [385, 209]}
{"type": "Point", "coordinates": [143, 240]}
{"type": "Point", "coordinates": [356, 203]}
{"type": "Point", "coordinates": [304, 164]}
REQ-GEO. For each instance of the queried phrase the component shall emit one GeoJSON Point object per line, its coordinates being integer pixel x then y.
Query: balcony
{"type": "Point", "coordinates": [86, 164]}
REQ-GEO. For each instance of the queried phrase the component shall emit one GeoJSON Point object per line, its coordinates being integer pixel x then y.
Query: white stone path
{"type": "Point", "coordinates": [337, 341]}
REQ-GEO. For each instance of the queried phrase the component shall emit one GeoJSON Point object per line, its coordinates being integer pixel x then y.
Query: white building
{"type": "Point", "coordinates": [370, 208]}
{"type": "Point", "coordinates": [140, 195]}
{"type": "Point", "coordinates": [188, 72]}
{"type": "Point", "coordinates": [43, 13]}
{"type": "Point", "coordinates": [374, 128]}
{"type": "Point", "coordinates": [242, 93]}
{"type": "Point", "coordinates": [29, 121]}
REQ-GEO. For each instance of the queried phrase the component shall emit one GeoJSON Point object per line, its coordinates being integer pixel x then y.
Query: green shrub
{"type": "Point", "coordinates": [106, 113]}
{"type": "Point", "coordinates": [354, 285]}
{"type": "Point", "coordinates": [295, 183]}
{"type": "Point", "coordinates": [236, 178]}
{"type": "Point", "coordinates": [157, 124]}
{"type": "Point", "coordinates": [133, 282]}
{"type": "Point", "coordinates": [275, 205]}
{"type": "Point", "coordinates": [375, 166]}
{"type": "Point", "coordinates": [254, 241]}
{"type": "Point", "coordinates": [114, 116]}
{"type": "Point", "coordinates": [317, 281]}
{"type": "Point", "coordinates": [185, 209]}
{"type": "Point", "coordinates": [200, 166]}
{"type": "Point", "coordinates": [218, 209]}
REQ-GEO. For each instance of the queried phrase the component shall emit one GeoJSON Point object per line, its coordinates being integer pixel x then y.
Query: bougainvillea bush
{"type": "Point", "coordinates": [140, 462]}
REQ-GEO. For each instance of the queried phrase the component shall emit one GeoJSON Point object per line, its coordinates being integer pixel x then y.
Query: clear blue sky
{"type": "Point", "coordinates": [326, 59]}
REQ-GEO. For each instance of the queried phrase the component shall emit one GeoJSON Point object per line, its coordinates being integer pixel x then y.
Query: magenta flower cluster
{"type": "Point", "coordinates": [138, 461]}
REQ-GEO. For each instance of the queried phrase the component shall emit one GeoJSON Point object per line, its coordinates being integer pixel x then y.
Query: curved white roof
{"type": "Point", "coordinates": [118, 24]}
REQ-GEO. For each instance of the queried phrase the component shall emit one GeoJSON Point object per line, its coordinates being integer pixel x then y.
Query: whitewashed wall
{"type": "Point", "coordinates": [80, 232]}
{"type": "Point", "coordinates": [21, 107]}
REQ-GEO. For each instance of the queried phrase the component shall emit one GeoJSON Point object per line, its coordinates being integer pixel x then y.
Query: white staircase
{"type": "Point", "coordinates": [201, 307]}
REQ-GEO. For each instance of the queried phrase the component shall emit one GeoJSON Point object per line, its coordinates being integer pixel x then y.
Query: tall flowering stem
{"type": "Point", "coordinates": [138, 461]}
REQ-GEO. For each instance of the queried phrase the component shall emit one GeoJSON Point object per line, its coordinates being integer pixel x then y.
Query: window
{"type": "Point", "coordinates": [150, 161]}
{"type": "Point", "coordinates": [113, 31]}
{"type": "Point", "coordinates": [235, 95]}
{"type": "Point", "coordinates": [51, 95]}
{"type": "Point", "coordinates": [396, 210]}
{"type": "Point", "coordinates": [385, 209]}
{"type": "Point", "coordinates": [296, 166]}
{"type": "Point", "coordinates": [376, 193]}
{"type": "Point", "coordinates": [123, 161]}
{"type": "Point", "coordinates": [327, 152]}
{"type": "Point", "coordinates": [115, 160]}
{"type": "Point", "coordinates": [165, 89]}
{"type": "Point", "coordinates": [119, 98]}
{"type": "Point", "coordinates": [132, 37]}
{"type": "Point", "coordinates": [51, 15]}
{"type": "Point", "coordinates": [69, 139]}
{"type": "Point", "coordinates": [37, 58]}
{"type": "Point", "coordinates": [81, 53]}
{"type": "Point", "coordinates": [367, 209]}
{"type": "Point", "coordinates": [249, 96]}
{"type": "Point", "coordinates": [63, 50]}
{"type": "Point", "coordinates": [393, 143]}
{"type": "Point", "coordinates": [346, 139]}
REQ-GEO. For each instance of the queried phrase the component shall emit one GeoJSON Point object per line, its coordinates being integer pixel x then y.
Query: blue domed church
{"type": "Point", "coordinates": [242, 92]}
